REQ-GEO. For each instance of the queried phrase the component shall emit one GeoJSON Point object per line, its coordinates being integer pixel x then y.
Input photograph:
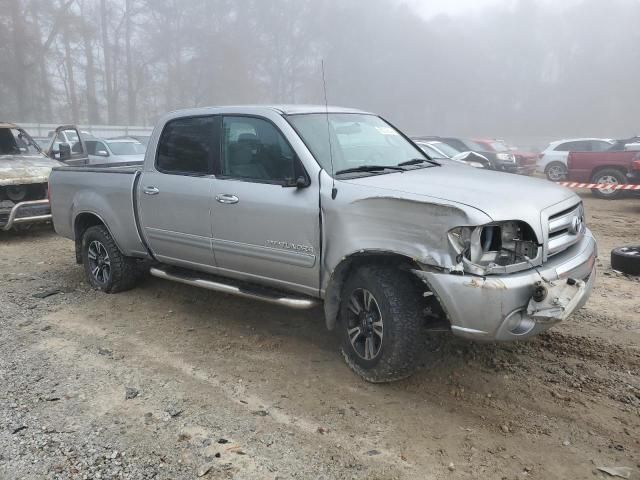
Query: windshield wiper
{"type": "Point", "coordinates": [417, 161]}
{"type": "Point", "coordinates": [371, 168]}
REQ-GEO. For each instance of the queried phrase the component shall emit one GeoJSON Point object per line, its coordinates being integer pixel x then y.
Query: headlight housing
{"type": "Point", "coordinates": [473, 164]}
{"type": "Point", "coordinates": [506, 157]}
{"type": "Point", "coordinates": [501, 247]}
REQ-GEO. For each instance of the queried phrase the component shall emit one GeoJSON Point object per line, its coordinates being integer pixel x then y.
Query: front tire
{"type": "Point", "coordinates": [105, 267]}
{"type": "Point", "coordinates": [608, 175]}
{"type": "Point", "coordinates": [380, 320]}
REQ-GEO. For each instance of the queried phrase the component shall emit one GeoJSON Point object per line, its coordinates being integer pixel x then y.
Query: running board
{"type": "Point", "coordinates": [255, 293]}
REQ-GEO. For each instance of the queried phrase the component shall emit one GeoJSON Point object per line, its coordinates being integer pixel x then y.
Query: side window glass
{"type": "Point", "coordinates": [92, 146]}
{"type": "Point", "coordinates": [563, 147]}
{"type": "Point", "coordinates": [600, 146]}
{"type": "Point", "coordinates": [188, 146]}
{"type": "Point", "coordinates": [254, 149]}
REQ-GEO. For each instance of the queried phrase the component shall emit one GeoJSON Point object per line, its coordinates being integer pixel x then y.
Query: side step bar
{"type": "Point", "coordinates": [257, 293]}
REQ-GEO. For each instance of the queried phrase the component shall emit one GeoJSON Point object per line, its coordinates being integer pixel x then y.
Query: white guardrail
{"type": "Point", "coordinates": [102, 131]}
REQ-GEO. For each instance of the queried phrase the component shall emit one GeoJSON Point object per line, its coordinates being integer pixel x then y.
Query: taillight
{"type": "Point", "coordinates": [635, 165]}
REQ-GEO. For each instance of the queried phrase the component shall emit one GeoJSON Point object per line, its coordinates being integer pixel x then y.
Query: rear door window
{"type": "Point", "coordinates": [189, 146]}
{"type": "Point", "coordinates": [575, 146]}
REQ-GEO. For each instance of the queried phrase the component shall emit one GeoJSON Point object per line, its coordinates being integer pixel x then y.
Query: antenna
{"type": "Point", "coordinates": [334, 190]}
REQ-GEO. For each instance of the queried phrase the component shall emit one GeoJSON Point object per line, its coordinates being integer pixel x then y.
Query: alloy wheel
{"type": "Point", "coordinates": [99, 262]}
{"type": "Point", "coordinates": [607, 179]}
{"type": "Point", "coordinates": [365, 324]}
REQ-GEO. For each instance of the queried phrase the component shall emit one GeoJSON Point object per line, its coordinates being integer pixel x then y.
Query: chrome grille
{"type": "Point", "coordinates": [566, 228]}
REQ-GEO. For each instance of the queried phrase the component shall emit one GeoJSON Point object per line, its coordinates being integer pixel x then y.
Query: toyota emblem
{"type": "Point", "coordinates": [576, 225]}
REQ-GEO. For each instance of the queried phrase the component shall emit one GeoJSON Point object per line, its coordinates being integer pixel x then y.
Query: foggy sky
{"type": "Point", "coordinates": [526, 69]}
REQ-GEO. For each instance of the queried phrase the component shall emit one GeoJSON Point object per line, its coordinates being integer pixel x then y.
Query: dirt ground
{"type": "Point", "coordinates": [171, 382]}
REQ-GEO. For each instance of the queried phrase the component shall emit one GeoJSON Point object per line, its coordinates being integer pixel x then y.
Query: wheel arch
{"type": "Point", "coordinates": [620, 168]}
{"type": "Point", "coordinates": [332, 294]}
{"type": "Point", "coordinates": [82, 222]}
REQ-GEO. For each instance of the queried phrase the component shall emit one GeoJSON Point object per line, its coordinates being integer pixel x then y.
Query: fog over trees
{"type": "Point", "coordinates": [523, 68]}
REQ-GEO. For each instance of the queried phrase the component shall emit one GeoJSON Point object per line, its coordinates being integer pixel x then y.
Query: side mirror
{"type": "Point", "coordinates": [65, 151]}
{"type": "Point", "coordinates": [102, 153]}
{"type": "Point", "coordinates": [300, 182]}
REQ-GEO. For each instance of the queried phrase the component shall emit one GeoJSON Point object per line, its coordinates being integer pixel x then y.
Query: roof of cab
{"type": "Point", "coordinates": [282, 109]}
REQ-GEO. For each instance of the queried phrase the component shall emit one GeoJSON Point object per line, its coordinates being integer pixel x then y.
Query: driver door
{"type": "Point", "coordinates": [264, 227]}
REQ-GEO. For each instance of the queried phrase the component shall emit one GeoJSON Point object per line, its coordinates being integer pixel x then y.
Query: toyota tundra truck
{"type": "Point", "coordinates": [301, 205]}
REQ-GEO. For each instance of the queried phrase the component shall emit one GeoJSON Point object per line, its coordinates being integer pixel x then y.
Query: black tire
{"type": "Point", "coordinates": [608, 175]}
{"type": "Point", "coordinates": [626, 259]}
{"type": "Point", "coordinates": [99, 250]}
{"type": "Point", "coordinates": [395, 340]}
{"type": "Point", "coordinates": [556, 171]}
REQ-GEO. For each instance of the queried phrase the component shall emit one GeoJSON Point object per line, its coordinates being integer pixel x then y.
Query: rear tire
{"type": "Point", "coordinates": [556, 171]}
{"type": "Point", "coordinates": [608, 175]}
{"type": "Point", "coordinates": [379, 323]}
{"type": "Point", "coordinates": [105, 267]}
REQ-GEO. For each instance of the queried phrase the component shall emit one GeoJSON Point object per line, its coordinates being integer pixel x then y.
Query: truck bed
{"type": "Point", "coordinates": [108, 192]}
{"type": "Point", "coordinates": [583, 165]}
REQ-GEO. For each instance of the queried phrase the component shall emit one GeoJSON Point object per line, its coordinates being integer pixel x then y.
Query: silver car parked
{"type": "Point", "coordinates": [300, 205]}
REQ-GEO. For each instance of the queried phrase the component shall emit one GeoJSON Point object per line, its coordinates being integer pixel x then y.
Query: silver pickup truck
{"type": "Point", "coordinates": [298, 205]}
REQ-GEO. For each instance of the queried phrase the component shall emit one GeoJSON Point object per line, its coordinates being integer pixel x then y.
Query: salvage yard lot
{"type": "Point", "coordinates": [171, 382]}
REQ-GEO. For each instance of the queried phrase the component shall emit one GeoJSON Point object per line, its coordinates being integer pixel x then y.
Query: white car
{"type": "Point", "coordinates": [115, 150]}
{"type": "Point", "coordinates": [553, 159]}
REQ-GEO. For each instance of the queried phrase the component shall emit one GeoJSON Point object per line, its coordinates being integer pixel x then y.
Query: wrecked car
{"type": "Point", "coordinates": [298, 205]}
{"type": "Point", "coordinates": [24, 176]}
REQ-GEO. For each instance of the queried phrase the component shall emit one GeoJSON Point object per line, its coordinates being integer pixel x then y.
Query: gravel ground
{"type": "Point", "coordinates": [172, 382]}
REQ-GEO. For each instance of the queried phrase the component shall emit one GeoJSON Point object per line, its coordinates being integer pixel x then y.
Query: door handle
{"type": "Point", "coordinates": [226, 198]}
{"type": "Point", "coordinates": [151, 190]}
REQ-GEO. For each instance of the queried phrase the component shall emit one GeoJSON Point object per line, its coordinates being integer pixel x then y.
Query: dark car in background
{"type": "Point", "coordinates": [441, 151]}
{"type": "Point", "coordinates": [525, 161]}
{"type": "Point", "coordinates": [500, 161]}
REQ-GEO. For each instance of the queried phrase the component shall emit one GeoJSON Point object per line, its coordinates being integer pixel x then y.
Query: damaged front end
{"type": "Point", "coordinates": [498, 293]}
{"type": "Point", "coordinates": [503, 247]}
{"type": "Point", "coordinates": [23, 204]}
{"type": "Point", "coordinates": [23, 201]}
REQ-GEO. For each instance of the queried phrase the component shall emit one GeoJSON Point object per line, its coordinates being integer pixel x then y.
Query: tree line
{"type": "Point", "coordinates": [526, 67]}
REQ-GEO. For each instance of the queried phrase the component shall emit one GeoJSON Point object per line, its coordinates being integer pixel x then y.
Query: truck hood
{"type": "Point", "coordinates": [25, 169]}
{"type": "Point", "coordinates": [501, 196]}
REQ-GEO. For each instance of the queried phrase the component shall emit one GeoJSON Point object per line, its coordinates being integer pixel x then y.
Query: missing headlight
{"type": "Point", "coordinates": [491, 248]}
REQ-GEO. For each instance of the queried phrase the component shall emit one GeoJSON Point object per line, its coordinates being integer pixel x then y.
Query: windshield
{"type": "Point", "coordinates": [445, 148]}
{"type": "Point", "coordinates": [14, 141]}
{"type": "Point", "coordinates": [499, 147]}
{"type": "Point", "coordinates": [127, 148]}
{"type": "Point", "coordinates": [356, 140]}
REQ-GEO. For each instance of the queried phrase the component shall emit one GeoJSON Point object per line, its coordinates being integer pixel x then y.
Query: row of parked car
{"type": "Point", "coordinates": [479, 153]}
{"type": "Point", "coordinates": [26, 162]}
{"type": "Point", "coordinates": [583, 160]}
{"type": "Point", "coordinates": [24, 178]}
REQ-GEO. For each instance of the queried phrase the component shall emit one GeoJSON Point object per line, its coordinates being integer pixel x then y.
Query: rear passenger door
{"type": "Point", "coordinates": [175, 193]}
{"type": "Point", "coordinates": [264, 227]}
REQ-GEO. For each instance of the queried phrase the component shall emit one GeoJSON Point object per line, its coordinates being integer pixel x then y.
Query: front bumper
{"type": "Point", "coordinates": [484, 308]}
{"type": "Point", "coordinates": [35, 211]}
